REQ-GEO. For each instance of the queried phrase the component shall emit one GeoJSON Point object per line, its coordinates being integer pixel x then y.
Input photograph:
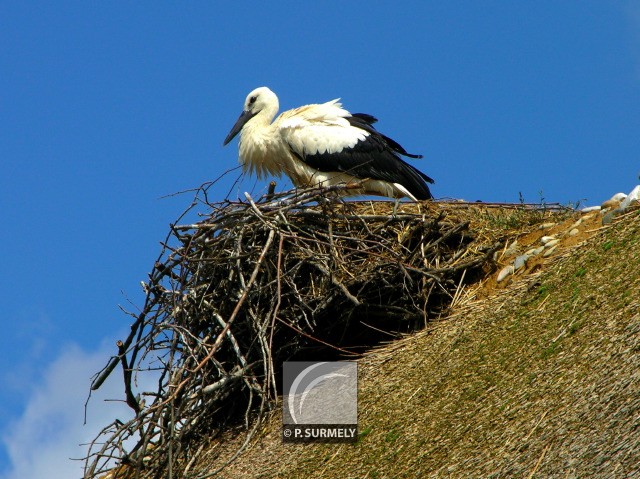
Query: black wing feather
{"type": "Point", "coordinates": [377, 157]}
{"type": "Point", "coordinates": [364, 122]}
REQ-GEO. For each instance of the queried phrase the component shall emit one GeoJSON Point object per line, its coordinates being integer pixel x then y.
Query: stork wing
{"type": "Point", "coordinates": [323, 128]}
{"type": "Point", "coordinates": [329, 138]}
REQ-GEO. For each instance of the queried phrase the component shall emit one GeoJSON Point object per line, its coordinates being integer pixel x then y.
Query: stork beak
{"type": "Point", "coordinates": [245, 116]}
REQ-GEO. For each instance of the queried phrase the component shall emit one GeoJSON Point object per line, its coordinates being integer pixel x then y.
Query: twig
{"type": "Point", "coordinates": [131, 399]}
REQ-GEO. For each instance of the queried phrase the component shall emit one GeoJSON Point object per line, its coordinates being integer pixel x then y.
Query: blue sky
{"type": "Point", "coordinates": [107, 107]}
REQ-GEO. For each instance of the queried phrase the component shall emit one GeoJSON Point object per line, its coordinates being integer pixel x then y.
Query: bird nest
{"type": "Point", "coordinates": [255, 283]}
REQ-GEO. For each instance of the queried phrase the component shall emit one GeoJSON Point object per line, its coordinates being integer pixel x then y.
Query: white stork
{"type": "Point", "coordinates": [324, 145]}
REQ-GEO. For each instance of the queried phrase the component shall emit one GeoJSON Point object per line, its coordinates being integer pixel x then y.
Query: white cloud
{"type": "Point", "coordinates": [42, 440]}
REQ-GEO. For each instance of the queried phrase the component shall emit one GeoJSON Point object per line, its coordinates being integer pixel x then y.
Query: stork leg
{"type": "Point", "coordinates": [271, 190]}
{"type": "Point", "coordinates": [396, 204]}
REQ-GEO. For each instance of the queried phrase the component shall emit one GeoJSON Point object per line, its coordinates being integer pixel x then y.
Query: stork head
{"type": "Point", "coordinates": [262, 102]}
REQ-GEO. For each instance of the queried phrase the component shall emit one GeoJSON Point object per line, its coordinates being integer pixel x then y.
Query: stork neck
{"type": "Point", "coordinates": [265, 117]}
{"type": "Point", "coordinates": [259, 127]}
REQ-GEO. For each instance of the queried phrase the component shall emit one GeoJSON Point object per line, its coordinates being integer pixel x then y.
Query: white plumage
{"type": "Point", "coordinates": [323, 144]}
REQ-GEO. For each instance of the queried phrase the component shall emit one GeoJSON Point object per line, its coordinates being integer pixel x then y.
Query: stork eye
{"type": "Point", "coordinates": [252, 100]}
